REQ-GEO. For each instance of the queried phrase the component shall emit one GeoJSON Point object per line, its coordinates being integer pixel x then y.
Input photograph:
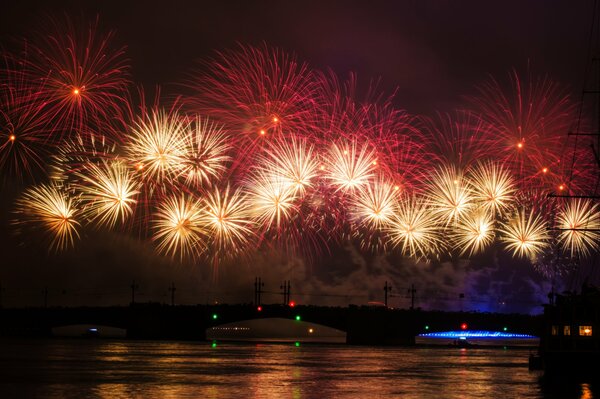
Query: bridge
{"type": "Point", "coordinates": [363, 324]}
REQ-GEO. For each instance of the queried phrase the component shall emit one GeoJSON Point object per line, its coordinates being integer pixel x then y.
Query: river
{"type": "Point", "coordinates": [80, 368]}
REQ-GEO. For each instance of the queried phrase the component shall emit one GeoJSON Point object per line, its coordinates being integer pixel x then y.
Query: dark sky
{"type": "Point", "coordinates": [434, 52]}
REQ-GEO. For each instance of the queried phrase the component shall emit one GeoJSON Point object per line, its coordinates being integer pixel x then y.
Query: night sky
{"type": "Point", "coordinates": [431, 52]}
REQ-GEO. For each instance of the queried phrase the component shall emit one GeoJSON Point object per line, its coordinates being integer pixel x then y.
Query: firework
{"type": "Point", "coordinates": [414, 229]}
{"type": "Point", "coordinates": [180, 227]}
{"type": "Point", "coordinates": [449, 195]}
{"type": "Point", "coordinates": [271, 197]}
{"type": "Point", "coordinates": [293, 161]}
{"type": "Point", "coordinates": [205, 156]}
{"type": "Point", "coordinates": [349, 167]}
{"type": "Point", "coordinates": [157, 144]}
{"type": "Point", "coordinates": [474, 233]}
{"type": "Point", "coordinates": [49, 207]}
{"type": "Point", "coordinates": [227, 216]}
{"type": "Point", "coordinates": [493, 188]}
{"type": "Point", "coordinates": [108, 192]}
{"type": "Point", "coordinates": [528, 122]}
{"type": "Point", "coordinates": [579, 222]}
{"type": "Point", "coordinates": [375, 204]}
{"type": "Point", "coordinates": [256, 92]}
{"type": "Point", "coordinates": [82, 79]}
{"type": "Point", "coordinates": [525, 236]}
{"type": "Point", "coordinates": [22, 124]}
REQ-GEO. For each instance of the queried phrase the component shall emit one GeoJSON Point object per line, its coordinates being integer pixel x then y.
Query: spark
{"type": "Point", "coordinates": [205, 156]}
{"type": "Point", "coordinates": [415, 229]}
{"type": "Point", "coordinates": [579, 222]}
{"type": "Point", "coordinates": [350, 167]}
{"type": "Point", "coordinates": [492, 187]}
{"type": "Point", "coordinates": [108, 191]}
{"type": "Point", "coordinates": [375, 204]}
{"type": "Point", "coordinates": [272, 198]}
{"type": "Point", "coordinates": [449, 195]}
{"type": "Point", "coordinates": [180, 227]}
{"type": "Point", "coordinates": [51, 207]}
{"type": "Point", "coordinates": [474, 233]}
{"type": "Point", "coordinates": [525, 235]}
{"type": "Point", "coordinates": [227, 215]}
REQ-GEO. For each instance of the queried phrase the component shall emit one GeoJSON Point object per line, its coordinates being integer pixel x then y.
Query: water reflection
{"type": "Point", "coordinates": [114, 369]}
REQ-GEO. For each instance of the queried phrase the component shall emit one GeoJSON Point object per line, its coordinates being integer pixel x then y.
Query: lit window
{"type": "Point", "coordinates": [554, 330]}
{"type": "Point", "coordinates": [567, 330]}
{"type": "Point", "coordinates": [585, 331]}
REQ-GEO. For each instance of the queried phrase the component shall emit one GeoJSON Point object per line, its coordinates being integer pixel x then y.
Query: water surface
{"type": "Point", "coordinates": [80, 368]}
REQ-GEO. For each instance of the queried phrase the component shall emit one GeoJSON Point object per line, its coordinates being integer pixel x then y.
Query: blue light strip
{"type": "Point", "coordinates": [474, 334]}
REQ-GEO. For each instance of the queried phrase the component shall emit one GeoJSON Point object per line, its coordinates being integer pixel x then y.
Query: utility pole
{"type": "Point", "coordinates": [258, 284]}
{"type": "Point", "coordinates": [386, 290]}
{"type": "Point", "coordinates": [286, 287]}
{"type": "Point", "coordinates": [412, 291]}
{"type": "Point", "coordinates": [134, 288]}
{"type": "Point", "coordinates": [172, 289]}
{"type": "Point", "coordinates": [1, 295]}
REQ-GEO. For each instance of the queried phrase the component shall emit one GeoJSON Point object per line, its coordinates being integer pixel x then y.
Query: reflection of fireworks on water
{"type": "Point", "coordinates": [49, 207]}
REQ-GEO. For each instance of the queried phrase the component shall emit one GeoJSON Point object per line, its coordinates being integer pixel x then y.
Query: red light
{"type": "Point", "coordinates": [262, 132]}
{"type": "Point", "coordinates": [275, 119]}
{"type": "Point", "coordinates": [76, 91]}
{"type": "Point", "coordinates": [12, 137]}
{"type": "Point", "coordinates": [464, 326]}
{"type": "Point", "coordinates": [561, 187]}
{"type": "Point", "coordinates": [259, 308]}
{"type": "Point", "coordinates": [292, 304]}
{"type": "Point", "coordinates": [545, 170]}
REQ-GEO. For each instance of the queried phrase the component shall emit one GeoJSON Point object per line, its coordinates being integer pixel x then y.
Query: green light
{"type": "Point", "coordinates": [505, 328]}
{"type": "Point", "coordinates": [298, 318]}
{"type": "Point", "coordinates": [215, 316]}
{"type": "Point", "coordinates": [427, 327]}
{"type": "Point", "coordinates": [214, 344]}
{"type": "Point", "coordinates": [297, 344]}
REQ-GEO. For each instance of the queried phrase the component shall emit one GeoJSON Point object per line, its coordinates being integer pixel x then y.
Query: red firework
{"type": "Point", "coordinates": [81, 76]}
{"type": "Point", "coordinates": [528, 122]}
{"type": "Point", "coordinates": [256, 92]}
{"type": "Point", "coordinates": [22, 132]}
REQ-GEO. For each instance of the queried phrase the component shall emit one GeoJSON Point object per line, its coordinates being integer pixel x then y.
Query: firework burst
{"type": "Point", "coordinates": [449, 195]}
{"type": "Point", "coordinates": [50, 207]}
{"type": "Point", "coordinates": [493, 188]}
{"type": "Point", "coordinates": [205, 157]}
{"type": "Point", "coordinates": [227, 216]}
{"type": "Point", "coordinates": [525, 236]}
{"type": "Point", "coordinates": [474, 233]}
{"type": "Point", "coordinates": [81, 77]}
{"type": "Point", "coordinates": [579, 222]}
{"type": "Point", "coordinates": [157, 144]}
{"type": "Point", "coordinates": [375, 204]}
{"type": "Point", "coordinates": [180, 228]}
{"type": "Point", "coordinates": [108, 192]}
{"type": "Point", "coordinates": [415, 230]}
{"type": "Point", "coordinates": [349, 167]}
